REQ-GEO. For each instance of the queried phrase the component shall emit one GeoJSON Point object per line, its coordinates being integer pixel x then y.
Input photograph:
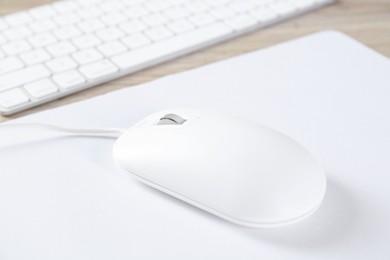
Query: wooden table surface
{"type": "Point", "coordinates": [365, 20]}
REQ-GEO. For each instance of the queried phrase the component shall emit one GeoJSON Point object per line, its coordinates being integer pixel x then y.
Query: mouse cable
{"type": "Point", "coordinates": [82, 131]}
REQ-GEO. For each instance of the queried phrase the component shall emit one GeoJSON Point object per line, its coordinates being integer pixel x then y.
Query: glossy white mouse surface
{"type": "Point", "coordinates": [239, 170]}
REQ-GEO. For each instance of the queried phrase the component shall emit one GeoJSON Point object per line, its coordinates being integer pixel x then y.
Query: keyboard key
{"type": "Point", "coordinates": [98, 69]}
{"type": "Point", "coordinates": [223, 12]}
{"type": "Point", "coordinates": [18, 18]}
{"type": "Point", "coordinates": [17, 32]}
{"type": "Point", "coordinates": [109, 34]}
{"type": "Point", "coordinates": [3, 25]}
{"type": "Point", "coordinates": [61, 48]}
{"type": "Point", "coordinates": [91, 25]}
{"type": "Point", "coordinates": [136, 40]}
{"type": "Point", "coordinates": [112, 48]}
{"type": "Point", "coordinates": [196, 6]}
{"type": "Point", "coordinates": [35, 56]}
{"type": "Point", "coordinates": [12, 98]}
{"type": "Point", "coordinates": [134, 12]}
{"type": "Point", "coordinates": [67, 32]}
{"type": "Point", "coordinates": [243, 6]}
{"type": "Point", "coordinates": [69, 79]}
{"type": "Point", "coordinates": [137, 59]}
{"type": "Point", "coordinates": [23, 76]}
{"type": "Point", "coordinates": [154, 19]}
{"type": "Point", "coordinates": [176, 13]}
{"type": "Point", "coordinates": [87, 56]}
{"type": "Point", "coordinates": [41, 40]}
{"type": "Point", "coordinates": [158, 33]}
{"type": "Point", "coordinates": [16, 47]}
{"type": "Point", "coordinates": [113, 18]}
{"type": "Point", "coordinates": [42, 26]}
{"type": "Point", "coordinates": [66, 19]}
{"type": "Point", "coordinates": [180, 26]}
{"type": "Point", "coordinates": [61, 64]}
{"type": "Point", "coordinates": [88, 13]}
{"type": "Point", "coordinates": [111, 6]}
{"type": "Point", "coordinates": [10, 64]}
{"type": "Point", "coordinates": [41, 88]}
{"type": "Point", "coordinates": [202, 19]}
{"type": "Point", "coordinates": [2, 39]}
{"type": "Point", "coordinates": [86, 41]}
{"type": "Point", "coordinates": [132, 27]}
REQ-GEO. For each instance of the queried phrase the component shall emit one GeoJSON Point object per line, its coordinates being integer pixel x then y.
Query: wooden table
{"type": "Point", "coordinates": [365, 20]}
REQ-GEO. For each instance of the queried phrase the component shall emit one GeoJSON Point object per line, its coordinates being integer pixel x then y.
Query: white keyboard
{"type": "Point", "coordinates": [57, 49]}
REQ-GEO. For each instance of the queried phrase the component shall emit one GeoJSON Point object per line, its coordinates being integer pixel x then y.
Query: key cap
{"type": "Point", "coordinates": [98, 69]}
{"type": "Point", "coordinates": [41, 88]}
{"type": "Point", "coordinates": [3, 25]}
{"type": "Point", "coordinates": [61, 48]}
{"type": "Point", "coordinates": [61, 64]}
{"type": "Point", "coordinates": [157, 6]}
{"type": "Point", "coordinates": [35, 56]}
{"type": "Point", "coordinates": [91, 25]}
{"type": "Point", "coordinates": [140, 58]}
{"type": "Point", "coordinates": [87, 56]}
{"type": "Point", "coordinates": [10, 64]}
{"type": "Point", "coordinates": [111, 6]}
{"type": "Point", "coordinates": [112, 48]}
{"type": "Point", "coordinates": [41, 40]}
{"type": "Point", "coordinates": [12, 98]}
{"type": "Point", "coordinates": [2, 39]}
{"type": "Point", "coordinates": [179, 26]}
{"type": "Point", "coordinates": [42, 25]}
{"type": "Point", "coordinates": [67, 32]}
{"type": "Point", "coordinates": [132, 27]}
{"type": "Point", "coordinates": [86, 41]}
{"type": "Point", "coordinates": [21, 77]}
{"type": "Point", "coordinates": [223, 12]}
{"type": "Point", "coordinates": [196, 6]}
{"type": "Point", "coordinates": [113, 18]}
{"type": "Point", "coordinates": [134, 12]}
{"type": "Point", "coordinates": [154, 19]}
{"type": "Point", "coordinates": [16, 47]}
{"type": "Point", "coordinates": [89, 13]}
{"type": "Point", "coordinates": [69, 79]}
{"type": "Point", "coordinates": [176, 13]}
{"type": "Point", "coordinates": [17, 32]}
{"type": "Point", "coordinates": [109, 34]}
{"type": "Point", "coordinates": [64, 19]}
{"type": "Point", "coordinates": [158, 33]}
{"type": "Point", "coordinates": [18, 18]}
{"type": "Point", "coordinates": [201, 19]}
{"type": "Point", "coordinates": [243, 6]}
{"type": "Point", "coordinates": [136, 40]}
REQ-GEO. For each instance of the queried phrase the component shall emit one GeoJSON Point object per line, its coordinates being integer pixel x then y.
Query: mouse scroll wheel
{"type": "Point", "coordinates": [171, 119]}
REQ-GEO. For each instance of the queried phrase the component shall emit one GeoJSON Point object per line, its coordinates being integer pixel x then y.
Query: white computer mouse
{"type": "Point", "coordinates": [241, 171]}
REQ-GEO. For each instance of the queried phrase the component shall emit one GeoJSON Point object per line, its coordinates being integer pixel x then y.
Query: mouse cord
{"type": "Point", "coordinates": [82, 131]}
